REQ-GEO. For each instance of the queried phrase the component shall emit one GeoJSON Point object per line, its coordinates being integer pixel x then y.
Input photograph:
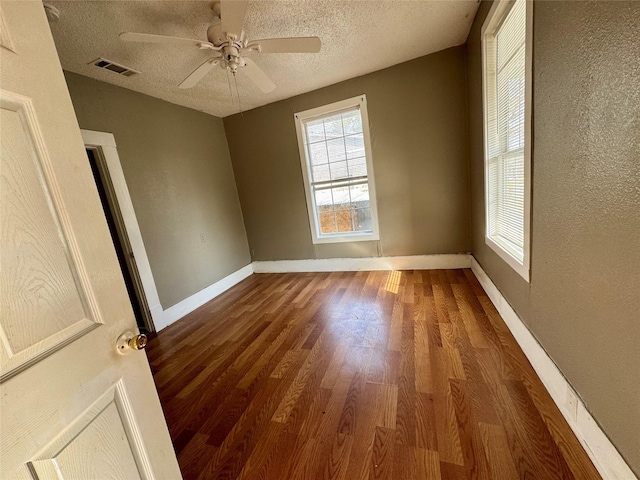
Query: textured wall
{"type": "Point", "coordinates": [176, 163]}
{"type": "Point", "coordinates": [417, 114]}
{"type": "Point", "coordinates": [583, 302]}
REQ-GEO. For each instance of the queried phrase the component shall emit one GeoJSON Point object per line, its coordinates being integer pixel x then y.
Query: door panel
{"type": "Point", "coordinates": [71, 405]}
{"type": "Point", "coordinates": [108, 423]}
{"type": "Point", "coordinates": [44, 303]}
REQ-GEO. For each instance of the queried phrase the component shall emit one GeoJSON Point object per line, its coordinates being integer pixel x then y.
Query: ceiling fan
{"type": "Point", "coordinates": [227, 39]}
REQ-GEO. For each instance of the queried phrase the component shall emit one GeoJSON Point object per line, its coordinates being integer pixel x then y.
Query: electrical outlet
{"type": "Point", "coordinates": [572, 403]}
{"type": "Point", "coordinates": [202, 237]}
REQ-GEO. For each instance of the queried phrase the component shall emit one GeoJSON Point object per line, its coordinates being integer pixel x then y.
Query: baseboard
{"type": "Point", "coordinates": [164, 318]}
{"type": "Point", "coordinates": [413, 262]}
{"type": "Point", "coordinates": [602, 452]}
{"type": "Point", "coordinates": [188, 305]}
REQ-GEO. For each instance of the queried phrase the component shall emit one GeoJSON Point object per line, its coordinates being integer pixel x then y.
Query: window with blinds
{"type": "Point", "coordinates": [336, 162]}
{"type": "Point", "coordinates": [506, 137]}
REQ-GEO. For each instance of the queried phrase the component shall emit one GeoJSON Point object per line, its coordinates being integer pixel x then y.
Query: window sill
{"type": "Point", "coordinates": [521, 268]}
{"type": "Point", "coordinates": [365, 237]}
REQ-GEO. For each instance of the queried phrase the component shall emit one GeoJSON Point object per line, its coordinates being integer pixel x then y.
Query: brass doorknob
{"type": "Point", "coordinates": [138, 342]}
{"type": "Point", "coordinates": [129, 341]}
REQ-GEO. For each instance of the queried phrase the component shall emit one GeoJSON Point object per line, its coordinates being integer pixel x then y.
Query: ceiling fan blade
{"type": "Point", "coordinates": [199, 73]}
{"type": "Point", "coordinates": [288, 45]}
{"type": "Point", "coordinates": [257, 76]}
{"type": "Point", "coordinates": [163, 39]}
{"type": "Point", "coordinates": [232, 13]}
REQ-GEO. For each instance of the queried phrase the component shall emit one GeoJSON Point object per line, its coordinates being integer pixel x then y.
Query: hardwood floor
{"type": "Point", "coordinates": [354, 375]}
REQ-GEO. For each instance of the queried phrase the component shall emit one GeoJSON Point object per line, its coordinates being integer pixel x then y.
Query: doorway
{"type": "Point", "coordinates": [120, 239]}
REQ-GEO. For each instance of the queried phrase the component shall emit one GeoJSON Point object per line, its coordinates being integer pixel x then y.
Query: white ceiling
{"type": "Point", "coordinates": [358, 37]}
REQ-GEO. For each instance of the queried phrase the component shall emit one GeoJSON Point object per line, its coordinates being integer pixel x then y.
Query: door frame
{"type": "Point", "coordinates": [126, 219]}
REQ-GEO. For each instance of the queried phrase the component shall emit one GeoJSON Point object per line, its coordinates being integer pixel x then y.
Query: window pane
{"type": "Point", "coordinates": [321, 173]}
{"type": "Point", "coordinates": [354, 145]}
{"type": "Point", "coordinates": [333, 126]}
{"type": "Point", "coordinates": [336, 149]}
{"type": "Point", "coordinates": [363, 220]}
{"type": "Point", "coordinates": [318, 153]}
{"type": "Point", "coordinates": [492, 204]}
{"type": "Point", "coordinates": [323, 198]}
{"type": "Point", "coordinates": [345, 220]}
{"type": "Point", "coordinates": [339, 170]}
{"type": "Point", "coordinates": [515, 115]}
{"type": "Point", "coordinates": [357, 167]}
{"type": "Point", "coordinates": [341, 198]}
{"type": "Point", "coordinates": [352, 122]}
{"type": "Point", "coordinates": [315, 131]}
{"type": "Point", "coordinates": [360, 195]}
{"type": "Point", "coordinates": [327, 220]}
{"type": "Point", "coordinates": [511, 34]}
{"type": "Point", "coordinates": [510, 100]}
{"type": "Point", "coordinates": [511, 200]}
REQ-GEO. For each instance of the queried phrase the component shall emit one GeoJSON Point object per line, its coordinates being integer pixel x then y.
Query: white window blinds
{"type": "Point", "coordinates": [505, 73]}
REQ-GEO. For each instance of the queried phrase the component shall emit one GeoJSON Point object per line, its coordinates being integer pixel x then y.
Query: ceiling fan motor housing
{"type": "Point", "coordinates": [230, 49]}
{"type": "Point", "coordinates": [216, 36]}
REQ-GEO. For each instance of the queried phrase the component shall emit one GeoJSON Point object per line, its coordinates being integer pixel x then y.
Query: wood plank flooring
{"type": "Point", "coordinates": [358, 375]}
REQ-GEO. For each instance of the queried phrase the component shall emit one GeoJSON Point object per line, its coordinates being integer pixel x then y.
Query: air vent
{"type": "Point", "coordinates": [114, 67]}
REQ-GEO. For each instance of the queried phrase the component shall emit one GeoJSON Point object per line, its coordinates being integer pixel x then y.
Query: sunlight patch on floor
{"type": "Point", "coordinates": [393, 282]}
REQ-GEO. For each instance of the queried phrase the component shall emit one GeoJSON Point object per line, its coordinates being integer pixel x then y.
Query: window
{"type": "Point", "coordinates": [506, 60]}
{"type": "Point", "coordinates": [335, 151]}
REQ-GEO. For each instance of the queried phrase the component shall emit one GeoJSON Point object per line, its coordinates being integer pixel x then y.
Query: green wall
{"type": "Point", "coordinates": [583, 302]}
{"type": "Point", "coordinates": [418, 126]}
{"type": "Point", "coordinates": [177, 167]}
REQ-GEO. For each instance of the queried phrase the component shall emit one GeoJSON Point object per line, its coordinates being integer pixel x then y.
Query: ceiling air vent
{"type": "Point", "coordinates": [114, 67]}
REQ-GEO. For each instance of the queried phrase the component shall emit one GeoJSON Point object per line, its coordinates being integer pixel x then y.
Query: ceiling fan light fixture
{"type": "Point", "coordinates": [226, 36]}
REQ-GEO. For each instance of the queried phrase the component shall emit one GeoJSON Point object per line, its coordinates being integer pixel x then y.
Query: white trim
{"type": "Point", "coordinates": [189, 304]}
{"type": "Point", "coordinates": [497, 13]}
{"type": "Point", "coordinates": [604, 455]}
{"type": "Point", "coordinates": [98, 139]}
{"type": "Point", "coordinates": [157, 314]}
{"type": "Point", "coordinates": [414, 262]}
{"type": "Point", "coordinates": [163, 319]}
{"type": "Point", "coordinates": [361, 102]}
{"type": "Point", "coordinates": [107, 143]}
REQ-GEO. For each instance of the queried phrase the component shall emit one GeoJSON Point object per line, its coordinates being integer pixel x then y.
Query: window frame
{"type": "Point", "coordinates": [356, 102]}
{"type": "Point", "coordinates": [495, 18]}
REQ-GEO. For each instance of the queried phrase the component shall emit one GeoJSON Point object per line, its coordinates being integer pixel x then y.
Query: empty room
{"type": "Point", "coordinates": [313, 239]}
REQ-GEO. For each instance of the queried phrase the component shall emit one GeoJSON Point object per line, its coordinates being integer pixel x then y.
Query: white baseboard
{"type": "Point", "coordinates": [603, 454]}
{"type": "Point", "coordinates": [413, 262]}
{"type": "Point", "coordinates": [188, 305]}
{"type": "Point", "coordinates": [164, 318]}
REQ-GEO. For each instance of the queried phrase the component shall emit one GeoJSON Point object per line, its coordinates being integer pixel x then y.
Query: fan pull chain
{"type": "Point", "coordinates": [229, 83]}
{"type": "Point", "coordinates": [235, 79]}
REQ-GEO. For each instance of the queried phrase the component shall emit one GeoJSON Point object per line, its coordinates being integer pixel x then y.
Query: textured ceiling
{"type": "Point", "coordinates": [358, 37]}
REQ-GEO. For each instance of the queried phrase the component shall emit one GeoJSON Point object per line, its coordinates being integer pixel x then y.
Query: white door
{"type": "Point", "coordinates": [72, 407]}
